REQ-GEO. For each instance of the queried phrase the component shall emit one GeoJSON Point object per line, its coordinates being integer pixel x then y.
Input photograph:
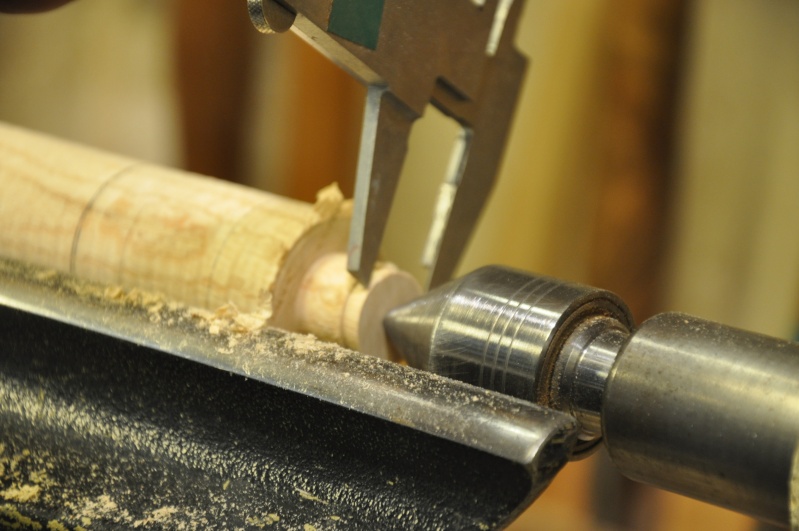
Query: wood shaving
{"type": "Point", "coordinates": [328, 201]}
{"type": "Point", "coordinates": [22, 493]}
{"type": "Point", "coordinates": [161, 515]}
{"type": "Point", "coordinates": [17, 519]}
{"type": "Point", "coordinates": [228, 319]}
{"type": "Point", "coordinates": [262, 522]}
{"type": "Point", "coordinates": [308, 496]}
{"type": "Point", "coordinates": [305, 344]}
{"type": "Point", "coordinates": [98, 508]}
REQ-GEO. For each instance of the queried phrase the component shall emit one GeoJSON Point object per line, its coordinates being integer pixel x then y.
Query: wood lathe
{"type": "Point", "coordinates": [180, 353]}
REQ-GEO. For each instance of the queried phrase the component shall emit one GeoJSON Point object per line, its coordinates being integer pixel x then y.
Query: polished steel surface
{"type": "Point", "coordinates": [688, 405]}
{"type": "Point", "coordinates": [456, 54]}
{"type": "Point", "coordinates": [503, 329]}
{"type": "Point", "coordinates": [708, 411]}
{"type": "Point", "coordinates": [384, 143]}
{"type": "Point", "coordinates": [581, 371]}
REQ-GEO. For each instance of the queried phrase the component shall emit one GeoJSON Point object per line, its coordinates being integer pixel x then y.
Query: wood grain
{"type": "Point", "coordinates": [199, 240]}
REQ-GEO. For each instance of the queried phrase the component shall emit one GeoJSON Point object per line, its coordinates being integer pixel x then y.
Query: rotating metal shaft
{"type": "Point", "coordinates": [688, 405]}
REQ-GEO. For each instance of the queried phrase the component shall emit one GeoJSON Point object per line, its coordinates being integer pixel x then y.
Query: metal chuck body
{"type": "Point", "coordinates": [685, 404]}
{"type": "Point", "coordinates": [708, 411]}
{"type": "Point", "coordinates": [502, 329]}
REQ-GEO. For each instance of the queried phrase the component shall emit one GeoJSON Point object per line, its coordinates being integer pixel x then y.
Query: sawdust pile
{"type": "Point", "coordinates": [27, 476]}
{"type": "Point", "coordinates": [226, 319]}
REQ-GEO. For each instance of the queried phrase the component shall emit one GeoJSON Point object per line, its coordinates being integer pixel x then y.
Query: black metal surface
{"type": "Point", "coordinates": [538, 438]}
{"type": "Point", "coordinates": [96, 428]}
{"type": "Point", "coordinates": [126, 410]}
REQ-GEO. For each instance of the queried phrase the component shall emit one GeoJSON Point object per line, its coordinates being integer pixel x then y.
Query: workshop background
{"type": "Point", "coordinates": [655, 153]}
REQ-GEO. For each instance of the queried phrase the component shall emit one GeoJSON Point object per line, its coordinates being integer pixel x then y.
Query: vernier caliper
{"type": "Point", "coordinates": [458, 55]}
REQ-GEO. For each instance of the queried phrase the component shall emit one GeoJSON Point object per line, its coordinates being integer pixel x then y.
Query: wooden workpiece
{"type": "Point", "coordinates": [198, 240]}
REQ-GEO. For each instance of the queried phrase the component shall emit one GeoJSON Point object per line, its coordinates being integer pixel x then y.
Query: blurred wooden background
{"type": "Point", "coordinates": [655, 153]}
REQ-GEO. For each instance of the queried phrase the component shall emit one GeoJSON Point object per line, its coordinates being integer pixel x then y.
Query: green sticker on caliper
{"type": "Point", "coordinates": [357, 21]}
